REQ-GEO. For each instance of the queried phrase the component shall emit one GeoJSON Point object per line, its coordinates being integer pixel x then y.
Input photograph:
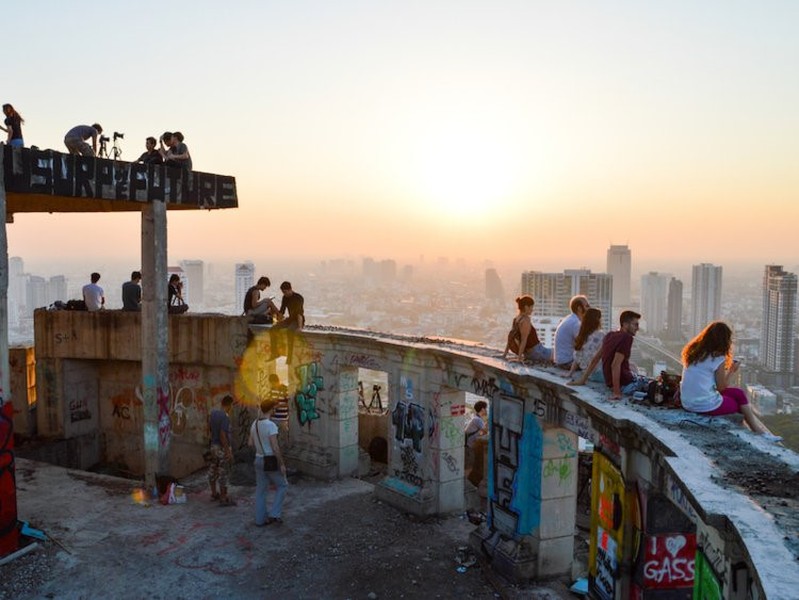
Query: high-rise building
{"type": "Point", "coordinates": [57, 289]}
{"type": "Point", "coordinates": [552, 292]}
{"type": "Point", "coordinates": [494, 289]}
{"type": "Point", "coordinates": [778, 337]}
{"type": "Point", "coordinates": [36, 293]}
{"type": "Point", "coordinates": [195, 281]}
{"type": "Point", "coordinates": [619, 266]}
{"type": "Point", "coordinates": [674, 310]}
{"type": "Point", "coordinates": [245, 279]}
{"type": "Point", "coordinates": [705, 296]}
{"type": "Point", "coordinates": [654, 293]}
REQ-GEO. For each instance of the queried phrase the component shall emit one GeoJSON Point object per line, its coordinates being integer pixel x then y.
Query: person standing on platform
{"type": "Point", "coordinates": [13, 125]}
{"type": "Point", "coordinates": [221, 452]}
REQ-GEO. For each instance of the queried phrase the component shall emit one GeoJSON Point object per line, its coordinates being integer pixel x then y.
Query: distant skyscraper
{"type": "Point", "coordinates": [674, 310]}
{"type": "Point", "coordinates": [245, 279]}
{"type": "Point", "coordinates": [57, 289]}
{"type": "Point", "coordinates": [654, 292]}
{"type": "Point", "coordinates": [195, 280]}
{"type": "Point", "coordinates": [619, 266]}
{"type": "Point", "coordinates": [35, 293]}
{"type": "Point", "coordinates": [494, 290]}
{"type": "Point", "coordinates": [705, 296]}
{"type": "Point", "coordinates": [552, 292]}
{"type": "Point", "coordinates": [778, 338]}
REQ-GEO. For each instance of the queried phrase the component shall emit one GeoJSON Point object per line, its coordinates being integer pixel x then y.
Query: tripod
{"type": "Point", "coordinates": [116, 151]}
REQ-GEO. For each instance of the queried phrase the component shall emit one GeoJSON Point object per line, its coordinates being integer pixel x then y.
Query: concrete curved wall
{"type": "Point", "coordinates": [663, 523]}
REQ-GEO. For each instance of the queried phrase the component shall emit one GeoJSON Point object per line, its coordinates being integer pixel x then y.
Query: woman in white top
{"type": "Point", "coordinates": [707, 370]}
{"type": "Point", "coordinates": [263, 437]}
{"type": "Point", "coordinates": [588, 348]}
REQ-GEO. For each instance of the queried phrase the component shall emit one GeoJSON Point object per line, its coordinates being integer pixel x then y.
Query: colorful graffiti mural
{"type": "Point", "coordinates": [607, 527]}
{"type": "Point", "coordinates": [514, 473]}
{"type": "Point", "coordinates": [309, 383]}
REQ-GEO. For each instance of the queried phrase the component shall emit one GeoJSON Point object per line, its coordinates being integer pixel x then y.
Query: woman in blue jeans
{"type": "Point", "coordinates": [263, 437]}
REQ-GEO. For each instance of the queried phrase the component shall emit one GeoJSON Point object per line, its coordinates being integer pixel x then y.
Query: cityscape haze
{"type": "Point", "coordinates": [386, 156]}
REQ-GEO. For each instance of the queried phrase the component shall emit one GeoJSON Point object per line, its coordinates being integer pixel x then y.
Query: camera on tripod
{"type": "Point", "coordinates": [116, 151]}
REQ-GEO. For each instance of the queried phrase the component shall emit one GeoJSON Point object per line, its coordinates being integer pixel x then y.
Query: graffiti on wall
{"type": "Point", "coordinates": [408, 422]}
{"type": "Point", "coordinates": [669, 561]}
{"type": "Point", "coordinates": [706, 582]}
{"type": "Point", "coordinates": [607, 526]}
{"type": "Point", "coordinates": [514, 472]}
{"type": "Point", "coordinates": [310, 383]}
{"type": "Point", "coordinates": [79, 409]}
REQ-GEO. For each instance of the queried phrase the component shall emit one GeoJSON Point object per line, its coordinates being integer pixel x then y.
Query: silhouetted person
{"type": "Point", "coordinates": [75, 139]}
{"type": "Point", "coordinates": [131, 292]}
{"type": "Point", "coordinates": [294, 303]}
{"type": "Point", "coordinates": [152, 156]}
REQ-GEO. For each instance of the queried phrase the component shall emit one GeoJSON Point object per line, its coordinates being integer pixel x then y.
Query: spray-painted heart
{"type": "Point", "coordinates": [675, 544]}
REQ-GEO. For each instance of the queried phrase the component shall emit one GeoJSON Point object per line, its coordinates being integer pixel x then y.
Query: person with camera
{"type": "Point", "coordinates": [269, 466]}
{"type": "Point", "coordinates": [175, 302]}
{"type": "Point", "coordinates": [174, 152]}
{"type": "Point", "coordinates": [152, 156]}
{"type": "Point", "coordinates": [708, 369]}
{"type": "Point", "coordinates": [75, 139]}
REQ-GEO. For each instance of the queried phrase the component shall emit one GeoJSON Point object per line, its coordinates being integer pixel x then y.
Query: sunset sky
{"type": "Point", "coordinates": [525, 132]}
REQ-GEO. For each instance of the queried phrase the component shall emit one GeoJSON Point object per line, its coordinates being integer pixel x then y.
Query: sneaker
{"type": "Point", "coordinates": [770, 437]}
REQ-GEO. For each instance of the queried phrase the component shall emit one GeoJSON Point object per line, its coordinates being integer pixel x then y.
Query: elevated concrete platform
{"type": "Point", "coordinates": [51, 181]}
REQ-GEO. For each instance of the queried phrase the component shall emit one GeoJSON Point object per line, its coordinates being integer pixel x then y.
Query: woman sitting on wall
{"type": "Point", "coordinates": [523, 338]}
{"type": "Point", "coordinates": [708, 368]}
{"type": "Point", "coordinates": [588, 348]}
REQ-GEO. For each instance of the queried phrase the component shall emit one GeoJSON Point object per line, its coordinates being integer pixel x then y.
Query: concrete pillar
{"type": "Point", "coordinates": [410, 483]}
{"type": "Point", "coordinates": [8, 490]}
{"type": "Point", "coordinates": [532, 488]}
{"type": "Point", "coordinates": [155, 340]}
{"type": "Point", "coordinates": [4, 370]}
{"type": "Point", "coordinates": [447, 411]}
{"type": "Point", "coordinates": [343, 424]}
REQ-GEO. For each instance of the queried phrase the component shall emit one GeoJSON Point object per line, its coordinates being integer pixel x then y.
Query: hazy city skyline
{"type": "Point", "coordinates": [507, 131]}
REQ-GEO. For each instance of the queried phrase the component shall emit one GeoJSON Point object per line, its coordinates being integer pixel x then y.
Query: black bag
{"type": "Point", "coordinates": [270, 463]}
{"type": "Point", "coordinates": [76, 305]}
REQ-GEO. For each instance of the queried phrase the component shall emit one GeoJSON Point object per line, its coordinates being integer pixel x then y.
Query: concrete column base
{"type": "Point", "coordinates": [312, 462]}
{"type": "Point", "coordinates": [515, 560]}
{"type": "Point", "coordinates": [406, 497]}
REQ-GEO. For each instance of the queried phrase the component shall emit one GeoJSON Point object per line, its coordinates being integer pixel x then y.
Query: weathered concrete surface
{"type": "Point", "coordinates": [337, 542]}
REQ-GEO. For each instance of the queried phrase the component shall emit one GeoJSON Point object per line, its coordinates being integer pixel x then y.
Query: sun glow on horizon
{"type": "Point", "coordinates": [465, 172]}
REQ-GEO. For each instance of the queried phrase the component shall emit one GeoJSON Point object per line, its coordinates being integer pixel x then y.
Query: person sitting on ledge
{"type": "Point", "coordinates": [523, 338]}
{"type": "Point", "coordinates": [708, 369]}
{"type": "Point", "coordinates": [260, 310]}
{"type": "Point", "coordinates": [175, 303]}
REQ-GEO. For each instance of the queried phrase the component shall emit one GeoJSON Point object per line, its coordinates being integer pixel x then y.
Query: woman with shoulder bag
{"type": "Point", "coordinates": [269, 466]}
